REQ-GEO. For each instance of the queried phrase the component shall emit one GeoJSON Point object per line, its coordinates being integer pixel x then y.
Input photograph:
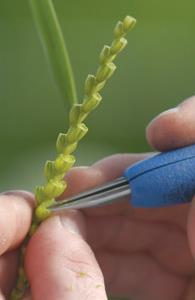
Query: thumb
{"type": "Point", "coordinates": [60, 264]}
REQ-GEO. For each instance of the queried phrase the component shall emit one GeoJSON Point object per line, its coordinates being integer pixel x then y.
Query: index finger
{"type": "Point", "coordinates": [81, 179]}
{"type": "Point", "coordinates": [173, 128]}
{"type": "Point", "coordinates": [15, 218]}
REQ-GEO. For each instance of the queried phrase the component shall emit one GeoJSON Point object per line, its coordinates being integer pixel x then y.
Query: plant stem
{"type": "Point", "coordinates": [55, 48]}
{"type": "Point", "coordinates": [67, 143]}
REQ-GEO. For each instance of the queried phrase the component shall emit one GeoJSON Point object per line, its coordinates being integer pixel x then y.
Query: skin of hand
{"type": "Point", "coordinates": [143, 254]}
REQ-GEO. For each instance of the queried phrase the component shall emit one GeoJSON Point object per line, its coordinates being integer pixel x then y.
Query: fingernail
{"type": "Point", "coordinates": [73, 221]}
{"type": "Point", "coordinates": [170, 111]}
{"type": "Point", "coordinates": [166, 112]}
{"type": "Point", "coordinates": [17, 193]}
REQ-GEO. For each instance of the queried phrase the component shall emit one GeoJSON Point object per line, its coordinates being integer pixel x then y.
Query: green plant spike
{"type": "Point", "coordinates": [55, 48]}
{"type": "Point", "coordinates": [67, 142]}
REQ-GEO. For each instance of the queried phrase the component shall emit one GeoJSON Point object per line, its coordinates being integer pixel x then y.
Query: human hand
{"type": "Point", "coordinates": [15, 218]}
{"type": "Point", "coordinates": [144, 254]}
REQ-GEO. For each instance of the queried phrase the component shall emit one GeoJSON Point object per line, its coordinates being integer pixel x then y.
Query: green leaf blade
{"type": "Point", "coordinates": [55, 48]}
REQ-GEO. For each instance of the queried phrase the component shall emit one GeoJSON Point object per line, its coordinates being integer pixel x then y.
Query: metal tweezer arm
{"type": "Point", "coordinates": [104, 194]}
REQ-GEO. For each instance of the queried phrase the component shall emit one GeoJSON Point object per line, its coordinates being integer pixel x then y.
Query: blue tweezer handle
{"type": "Point", "coordinates": [164, 179]}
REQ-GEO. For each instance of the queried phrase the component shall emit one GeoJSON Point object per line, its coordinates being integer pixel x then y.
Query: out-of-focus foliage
{"type": "Point", "coordinates": [154, 73]}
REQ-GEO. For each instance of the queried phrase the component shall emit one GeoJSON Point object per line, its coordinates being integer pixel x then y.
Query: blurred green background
{"type": "Point", "coordinates": [154, 73]}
